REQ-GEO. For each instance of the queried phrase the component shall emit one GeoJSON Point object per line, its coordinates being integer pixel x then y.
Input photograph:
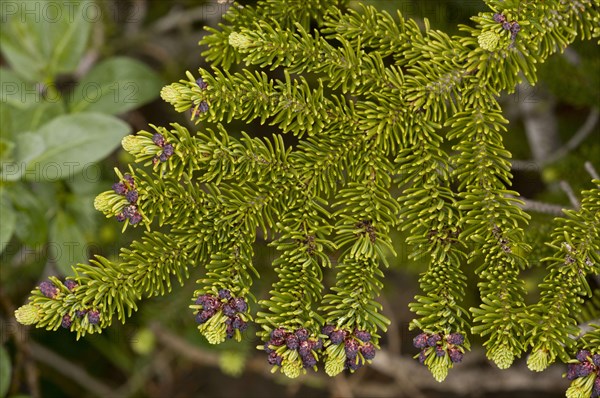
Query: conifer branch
{"type": "Point", "coordinates": [360, 125]}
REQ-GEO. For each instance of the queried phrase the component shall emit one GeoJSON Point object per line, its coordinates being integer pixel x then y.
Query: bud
{"type": "Point", "coordinates": [27, 314]}
{"type": "Point", "coordinates": [134, 144]}
{"type": "Point", "coordinates": [170, 94]}
{"type": "Point", "coordinates": [109, 202]}
{"type": "Point", "coordinates": [240, 41]}
{"type": "Point", "coordinates": [488, 40]}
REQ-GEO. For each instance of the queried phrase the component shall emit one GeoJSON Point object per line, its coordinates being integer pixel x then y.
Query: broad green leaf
{"type": "Point", "coordinates": [42, 39]}
{"type": "Point", "coordinates": [28, 146]}
{"type": "Point", "coordinates": [8, 217]}
{"type": "Point", "coordinates": [71, 144]}
{"type": "Point", "coordinates": [67, 244]}
{"type": "Point", "coordinates": [115, 86]}
{"type": "Point", "coordinates": [5, 371]}
{"type": "Point", "coordinates": [32, 118]}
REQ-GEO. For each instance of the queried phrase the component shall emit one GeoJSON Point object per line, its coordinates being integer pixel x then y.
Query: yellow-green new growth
{"type": "Point", "coordinates": [239, 41]}
{"type": "Point", "coordinates": [27, 314]}
{"type": "Point", "coordinates": [489, 40]}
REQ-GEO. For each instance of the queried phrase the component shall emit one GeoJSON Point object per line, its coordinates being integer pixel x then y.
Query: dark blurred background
{"type": "Point", "coordinates": [48, 220]}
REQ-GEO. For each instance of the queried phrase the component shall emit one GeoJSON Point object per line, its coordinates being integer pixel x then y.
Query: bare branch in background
{"type": "Point", "coordinates": [541, 207]}
{"type": "Point", "coordinates": [591, 170]}
{"type": "Point", "coordinates": [582, 133]}
{"type": "Point", "coordinates": [68, 369]}
{"type": "Point", "coordinates": [566, 187]}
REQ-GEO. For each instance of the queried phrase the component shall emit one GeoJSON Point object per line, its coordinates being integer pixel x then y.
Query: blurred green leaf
{"type": "Point", "coordinates": [8, 217]}
{"type": "Point", "coordinates": [45, 38]}
{"type": "Point", "coordinates": [115, 86]}
{"type": "Point", "coordinates": [5, 371]}
{"type": "Point", "coordinates": [67, 244]}
{"type": "Point", "coordinates": [6, 150]}
{"type": "Point", "coordinates": [69, 144]}
{"type": "Point", "coordinates": [28, 146]}
{"type": "Point", "coordinates": [32, 228]}
{"type": "Point", "coordinates": [15, 91]}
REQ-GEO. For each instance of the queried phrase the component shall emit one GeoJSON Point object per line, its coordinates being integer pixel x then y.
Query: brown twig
{"type": "Point", "coordinates": [470, 379]}
{"type": "Point", "coordinates": [68, 369]}
{"type": "Point", "coordinates": [566, 187]}
{"type": "Point", "coordinates": [20, 336]}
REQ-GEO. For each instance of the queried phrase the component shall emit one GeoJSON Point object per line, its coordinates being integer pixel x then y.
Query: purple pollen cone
{"type": "Point", "coordinates": [420, 341]}
{"type": "Point", "coordinates": [327, 330]}
{"type": "Point", "coordinates": [203, 106]}
{"type": "Point", "coordinates": [583, 355]}
{"type": "Point", "coordinates": [93, 317]}
{"type": "Point", "coordinates": [268, 349]}
{"type": "Point", "coordinates": [119, 188]}
{"type": "Point", "coordinates": [275, 359]}
{"type": "Point", "coordinates": [135, 218]}
{"type": "Point", "coordinates": [317, 344]}
{"type": "Point", "coordinates": [455, 338]}
{"type": "Point", "coordinates": [71, 284]}
{"type": "Point", "coordinates": [439, 351]}
{"type": "Point", "coordinates": [499, 18]}
{"type": "Point", "coordinates": [304, 348]}
{"type": "Point", "coordinates": [204, 316]}
{"type": "Point", "coordinates": [291, 341]}
{"type": "Point", "coordinates": [455, 355]}
{"type": "Point", "coordinates": [586, 368]}
{"type": "Point", "coordinates": [596, 388]}
{"type": "Point", "coordinates": [168, 150]}
{"type": "Point", "coordinates": [351, 348]}
{"type": "Point", "coordinates": [433, 339]}
{"type": "Point", "coordinates": [228, 310]}
{"type": "Point", "coordinates": [368, 351]}
{"type": "Point", "coordinates": [66, 321]}
{"type": "Point", "coordinates": [158, 139]}
{"type": "Point", "coordinates": [302, 334]}
{"type": "Point", "coordinates": [48, 289]}
{"type": "Point", "coordinates": [240, 304]}
{"type": "Point", "coordinates": [309, 360]}
{"type": "Point", "coordinates": [278, 333]}
{"type": "Point", "coordinates": [362, 335]}
{"type": "Point", "coordinates": [131, 196]}
{"type": "Point", "coordinates": [337, 336]}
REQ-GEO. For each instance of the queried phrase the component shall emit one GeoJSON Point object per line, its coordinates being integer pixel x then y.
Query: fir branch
{"type": "Point", "coordinates": [492, 222]}
{"type": "Point", "coordinates": [553, 319]}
